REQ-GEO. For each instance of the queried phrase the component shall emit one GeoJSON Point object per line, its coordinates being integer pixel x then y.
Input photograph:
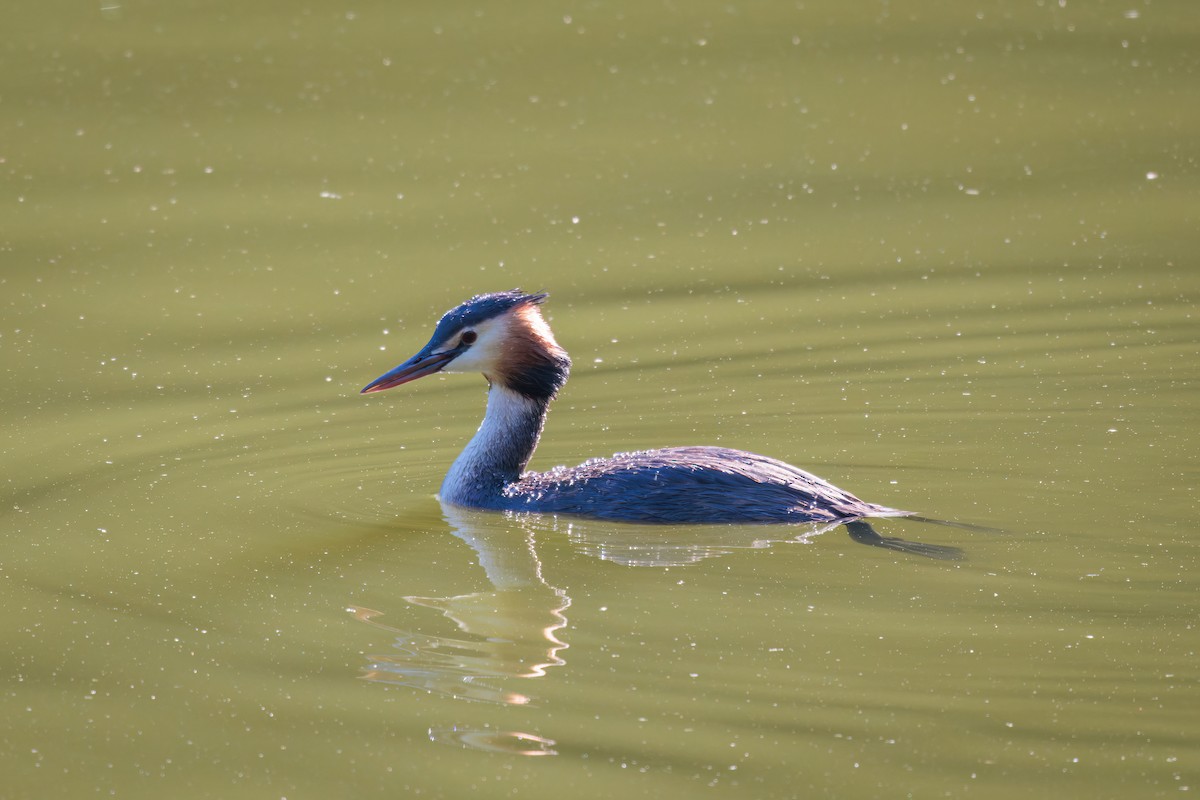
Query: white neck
{"type": "Point", "coordinates": [499, 450]}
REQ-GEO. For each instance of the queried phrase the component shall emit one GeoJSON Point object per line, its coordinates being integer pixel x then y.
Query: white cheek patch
{"type": "Point", "coordinates": [485, 352]}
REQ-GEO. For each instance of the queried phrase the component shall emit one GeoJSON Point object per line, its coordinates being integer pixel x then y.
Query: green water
{"type": "Point", "coordinates": [942, 255]}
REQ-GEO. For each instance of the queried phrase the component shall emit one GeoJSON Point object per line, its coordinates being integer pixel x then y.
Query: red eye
{"type": "Point", "coordinates": [469, 337]}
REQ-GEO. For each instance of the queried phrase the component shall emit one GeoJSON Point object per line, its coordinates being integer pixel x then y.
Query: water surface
{"type": "Point", "coordinates": [942, 256]}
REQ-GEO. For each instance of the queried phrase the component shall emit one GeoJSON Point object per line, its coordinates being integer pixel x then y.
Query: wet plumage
{"type": "Point", "coordinates": [690, 484]}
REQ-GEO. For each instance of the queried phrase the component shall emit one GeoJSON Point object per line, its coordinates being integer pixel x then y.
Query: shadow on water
{"type": "Point", "coordinates": [512, 631]}
{"type": "Point", "coordinates": [861, 531]}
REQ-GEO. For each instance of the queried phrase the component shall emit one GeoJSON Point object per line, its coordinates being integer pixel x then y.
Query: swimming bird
{"type": "Point", "coordinates": [504, 336]}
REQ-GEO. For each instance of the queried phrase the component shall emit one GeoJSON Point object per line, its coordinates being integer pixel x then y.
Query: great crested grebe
{"type": "Point", "coordinates": [505, 337]}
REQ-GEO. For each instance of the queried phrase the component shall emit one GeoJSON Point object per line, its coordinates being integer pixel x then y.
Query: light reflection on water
{"type": "Point", "coordinates": [513, 743]}
{"type": "Point", "coordinates": [652, 546]}
{"type": "Point", "coordinates": [642, 546]}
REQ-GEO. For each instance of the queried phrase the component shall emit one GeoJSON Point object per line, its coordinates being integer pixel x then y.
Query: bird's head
{"type": "Point", "coordinates": [502, 335]}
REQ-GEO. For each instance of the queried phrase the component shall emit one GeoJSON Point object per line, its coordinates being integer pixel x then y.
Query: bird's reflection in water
{"type": "Point", "coordinates": [656, 546]}
{"type": "Point", "coordinates": [677, 546]}
{"type": "Point", "coordinates": [512, 633]}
